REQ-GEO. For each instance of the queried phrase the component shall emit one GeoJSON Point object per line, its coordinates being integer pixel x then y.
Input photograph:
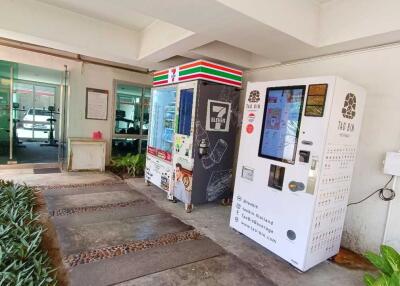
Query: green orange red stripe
{"type": "Point", "coordinates": [202, 70]}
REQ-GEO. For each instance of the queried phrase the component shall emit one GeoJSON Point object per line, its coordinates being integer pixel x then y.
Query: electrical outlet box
{"type": "Point", "coordinates": [392, 164]}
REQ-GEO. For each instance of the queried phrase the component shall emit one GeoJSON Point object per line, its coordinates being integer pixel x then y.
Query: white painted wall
{"type": "Point", "coordinates": [378, 71]}
{"type": "Point", "coordinates": [99, 77]}
{"type": "Point", "coordinates": [81, 76]}
{"type": "Point", "coordinates": [346, 20]}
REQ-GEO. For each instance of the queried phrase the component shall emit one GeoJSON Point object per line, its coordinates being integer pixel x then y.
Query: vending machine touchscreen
{"type": "Point", "coordinates": [281, 122]}
{"type": "Point", "coordinates": [297, 152]}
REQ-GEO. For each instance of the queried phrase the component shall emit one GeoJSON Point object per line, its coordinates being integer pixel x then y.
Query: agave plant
{"type": "Point", "coordinates": [388, 264]}
{"type": "Point", "coordinates": [22, 262]}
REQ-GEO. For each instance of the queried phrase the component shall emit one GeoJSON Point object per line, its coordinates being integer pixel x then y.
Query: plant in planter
{"type": "Point", "coordinates": [132, 165]}
{"type": "Point", "coordinates": [388, 264]}
{"type": "Point", "coordinates": [22, 261]}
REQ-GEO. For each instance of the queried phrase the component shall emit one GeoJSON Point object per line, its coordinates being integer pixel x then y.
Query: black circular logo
{"type": "Point", "coordinates": [349, 108]}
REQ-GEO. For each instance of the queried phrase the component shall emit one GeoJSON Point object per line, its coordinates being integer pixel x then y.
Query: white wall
{"type": "Point", "coordinates": [81, 76]}
{"type": "Point", "coordinates": [346, 20]}
{"type": "Point", "coordinates": [100, 77]}
{"type": "Point", "coordinates": [379, 72]}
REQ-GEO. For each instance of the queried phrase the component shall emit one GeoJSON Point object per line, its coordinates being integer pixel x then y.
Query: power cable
{"type": "Point", "coordinates": [382, 194]}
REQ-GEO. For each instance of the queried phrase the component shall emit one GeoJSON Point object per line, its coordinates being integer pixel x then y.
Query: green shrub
{"type": "Point", "coordinates": [133, 165]}
{"type": "Point", "coordinates": [388, 264]}
{"type": "Point", "coordinates": [22, 262]}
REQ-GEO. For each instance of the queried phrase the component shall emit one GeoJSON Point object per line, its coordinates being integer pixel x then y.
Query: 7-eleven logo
{"type": "Point", "coordinates": [218, 116]}
{"type": "Point", "coordinates": [173, 75]}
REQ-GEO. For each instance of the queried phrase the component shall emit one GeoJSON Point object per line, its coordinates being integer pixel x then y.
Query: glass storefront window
{"type": "Point", "coordinates": [132, 104]}
{"type": "Point", "coordinates": [128, 109]}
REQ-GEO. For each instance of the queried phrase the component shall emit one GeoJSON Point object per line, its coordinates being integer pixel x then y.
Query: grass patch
{"type": "Point", "coordinates": [22, 261]}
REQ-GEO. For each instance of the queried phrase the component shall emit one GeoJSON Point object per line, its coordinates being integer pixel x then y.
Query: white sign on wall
{"type": "Point", "coordinates": [96, 104]}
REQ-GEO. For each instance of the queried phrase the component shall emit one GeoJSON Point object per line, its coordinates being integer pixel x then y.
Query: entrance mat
{"type": "Point", "coordinates": [46, 171]}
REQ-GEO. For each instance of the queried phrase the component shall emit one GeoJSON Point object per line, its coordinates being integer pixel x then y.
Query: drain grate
{"type": "Point", "coordinates": [46, 171]}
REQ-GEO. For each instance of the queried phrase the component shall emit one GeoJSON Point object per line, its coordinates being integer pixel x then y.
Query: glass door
{"type": "Point", "coordinates": [6, 113]}
{"type": "Point", "coordinates": [30, 120]}
{"type": "Point", "coordinates": [62, 146]}
{"type": "Point", "coordinates": [24, 114]}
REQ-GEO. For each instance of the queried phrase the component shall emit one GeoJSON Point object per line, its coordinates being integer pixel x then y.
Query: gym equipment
{"type": "Point", "coordinates": [134, 129]}
{"type": "Point", "coordinates": [52, 142]}
{"type": "Point", "coordinates": [16, 141]}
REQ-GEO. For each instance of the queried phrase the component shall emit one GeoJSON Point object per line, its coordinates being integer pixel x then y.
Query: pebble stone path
{"type": "Point", "coordinates": [110, 234]}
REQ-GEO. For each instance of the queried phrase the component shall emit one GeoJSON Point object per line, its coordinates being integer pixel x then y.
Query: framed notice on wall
{"type": "Point", "coordinates": [96, 104]}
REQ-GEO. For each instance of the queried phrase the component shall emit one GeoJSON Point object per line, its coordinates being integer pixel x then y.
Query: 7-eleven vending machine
{"type": "Point", "coordinates": [193, 125]}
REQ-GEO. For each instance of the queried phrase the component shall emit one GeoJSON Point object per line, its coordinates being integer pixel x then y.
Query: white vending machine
{"type": "Point", "coordinates": [297, 151]}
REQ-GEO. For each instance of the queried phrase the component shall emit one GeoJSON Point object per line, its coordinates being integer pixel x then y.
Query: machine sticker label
{"type": "Point", "coordinates": [348, 112]}
{"type": "Point", "coordinates": [182, 184]}
{"type": "Point", "coordinates": [349, 108]}
{"type": "Point", "coordinates": [316, 97]}
{"type": "Point", "coordinates": [253, 102]}
{"type": "Point", "coordinates": [249, 128]}
{"type": "Point", "coordinates": [159, 153]}
{"type": "Point", "coordinates": [251, 117]}
{"type": "Point", "coordinates": [218, 116]}
{"type": "Point", "coordinates": [254, 96]}
{"type": "Point", "coordinates": [173, 75]}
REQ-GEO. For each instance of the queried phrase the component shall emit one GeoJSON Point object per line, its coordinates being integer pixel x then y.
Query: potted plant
{"type": "Point", "coordinates": [388, 264]}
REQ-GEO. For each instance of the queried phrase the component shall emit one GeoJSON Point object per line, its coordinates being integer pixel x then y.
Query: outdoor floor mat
{"type": "Point", "coordinates": [46, 171]}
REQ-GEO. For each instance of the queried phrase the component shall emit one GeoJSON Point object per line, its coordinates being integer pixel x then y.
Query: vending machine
{"type": "Point", "coordinates": [193, 124]}
{"type": "Point", "coordinates": [296, 157]}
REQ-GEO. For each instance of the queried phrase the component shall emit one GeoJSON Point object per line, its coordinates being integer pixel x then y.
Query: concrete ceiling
{"type": "Point", "coordinates": [105, 10]}
{"type": "Point", "coordinates": [157, 34]}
